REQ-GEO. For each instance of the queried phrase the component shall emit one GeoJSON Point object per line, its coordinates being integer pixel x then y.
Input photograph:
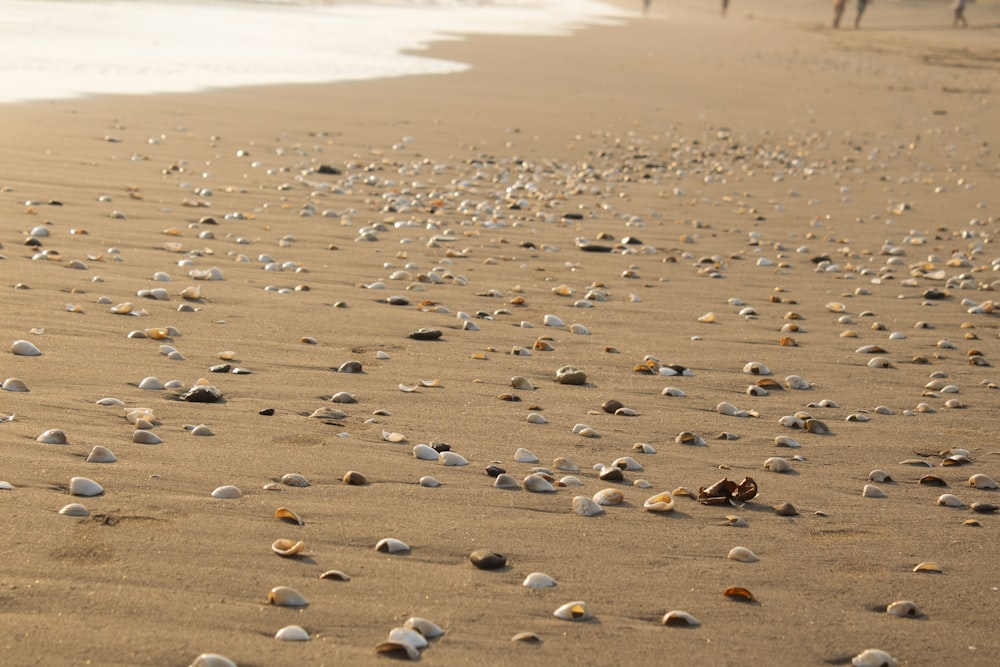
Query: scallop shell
{"type": "Point", "coordinates": [24, 348]}
{"type": "Point", "coordinates": [981, 481]}
{"type": "Point", "coordinates": [872, 491]}
{"type": "Point", "coordinates": [873, 657]}
{"type": "Point", "coordinates": [742, 555]}
{"type": "Point", "coordinates": [101, 454]}
{"type": "Point", "coordinates": [539, 579]}
{"type": "Point", "coordinates": [950, 500]}
{"type": "Point", "coordinates": [15, 385]}
{"type": "Point", "coordinates": [573, 611]}
{"type": "Point", "coordinates": [535, 483]}
{"type": "Point", "coordinates": [287, 548]}
{"type": "Point", "coordinates": [145, 437]}
{"type": "Point", "coordinates": [74, 509]}
{"type": "Point", "coordinates": [607, 497]}
{"type": "Point", "coordinates": [294, 479]}
{"type": "Point", "coordinates": [390, 545]}
{"type": "Point", "coordinates": [452, 459]}
{"type": "Point", "coordinates": [292, 633]}
{"type": "Point", "coordinates": [53, 436]}
{"type": "Point", "coordinates": [680, 619]}
{"type": "Point", "coordinates": [523, 455]}
{"type": "Point", "coordinates": [427, 629]}
{"type": "Point", "coordinates": [82, 486]}
{"type": "Point", "coordinates": [228, 491]}
{"type": "Point", "coordinates": [285, 514]}
{"type": "Point", "coordinates": [283, 596]}
{"type": "Point", "coordinates": [661, 502]}
{"type": "Point", "coordinates": [904, 609]}
{"type": "Point", "coordinates": [212, 660]}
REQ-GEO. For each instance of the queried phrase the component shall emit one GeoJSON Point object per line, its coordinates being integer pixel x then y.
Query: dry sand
{"type": "Point", "coordinates": [744, 148]}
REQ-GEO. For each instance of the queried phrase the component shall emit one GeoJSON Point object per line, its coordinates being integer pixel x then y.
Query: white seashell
{"type": "Point", "coordinates": [287, 548]}
{"type": "Point", "coordinates": [643, 448]}
{"type": "Point", "coordinates": [504, 481]}
{"type": "Point", "coordinates": [904, 609]}
{"type": "Point", "coordinates": [872, 491]}
{"type": "Point", "coordinates": [398, 649]}
{"type": "Point", "coordinates": [343, 397]}
{"type": "Point", "coordinates": [587, 432]}
{"type": "Point", "coordinates": [879, 476]}
{"type": "Point", "coordinates": [523, 455]}
{"type": "Point", "coordinates": [535, 418]}
{"type": "Point", "coordinates": [25, 348]}
{"type": "Point", "coordinates": [201, 430]}
{"type": "Point", "coordinates": [212, 660]}
{"type": "Point", "coordinates": [151, 383]}
{"type": "Point", "coordinates": [777, 464]}
{"type": "Point", "coordinates": [981, 481]}
{"type": "Point", "coordinates": [15, 385]}
{"type": "Point", "coordinates": [553, 321]}
{"type": "Point", "coordinates": [728, 409]}
{"type": "Point", "coordinates": [407, 636]}
{"type": "Point", "coordinates": [292, 633]}
{"type": "Point", "coordinates": [452, 459]}
{"type": "Point", "coordinates": [642, 484]}
{"type": "Point", "coordinates": [879, 362]}
{"type": "Point", "coordinates": [756, 368]}
{"type": "Point", "coordinates": [228, 491]}
{"type": "Point", "coordinates": [950, 500]}
{"type": "Point", "coordinates": [54, 436]}
{"type": "Point", "coordinates": [74, 509]}
{"type": "Point", "coordinates": [608, 497]}
{"type": "Point", "coordinates": [425, 453]}
{"type": "Point", "coordinates": [569, 465]}
{"type": "Point", "coordinates": [110, 401]}
{"type": "Point", "coordinates": [661, 502]}
{"type": "Point", "coordinates": [427, 629]}
{"type": "Point", "coordinates": [101, 454]}
{"type": "Point", "coordinates": [679, 618]}
{"type": "Point", "coordinates": [579, 329]}
{"type": "Point", "coordinates": [6, 486]}
{"type": "Point", "coordinates": [520, 382]}
{"type": "Point", "coordinates": [673, 391]}
{"type": "Point", "coordinates": [570, 480]}
{"type": "Point", "coordinates": [786, 441]}
{"type": "Point", "coordinates": [791, 421]}
{"type": "Point", "coordinates": [429, 482]}
{"type": "Point", "coordinates": [283, 596]}
{"type": "Point", "coordinates": [390, 545]}
{"type": "Point", "coordinates": [797, 382]}
{"type": "Point", "coordinates": [873, 657]}
{"type": "Point", "coordinates": [540, 579]}
{"type": "Point", "coordinates": [573, 611]}
{"type": "Point", "coordinates": [742, 555]}
{"type": "Point", "coordinates": [628, 463]}
{"type": "Point", "coordinates": [145, 437]}
{"type": "Point", "coordinates": [393, 437]}
{"type": "Point", "coordinates": [294, 479]}
{"type": "Point", "coordinates": [82, 486]}
{"type": "Point", "coordinates": [537, 484]}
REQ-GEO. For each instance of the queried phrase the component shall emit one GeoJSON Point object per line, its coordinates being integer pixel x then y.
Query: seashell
{"type": "Point", "coordinates": [553, 321]}
{"type": "Point", "coordinates": [791, 421]}
{"type": "Point", "coordinates": [328, 414]}
{"type": "Point", "coordinates": [754, 390]}
{"type": "Point", "coordinates": [201, 430]}
{"type": "Point", "coordinates": [425, 453]}
{"type": "Point", "coordinates": [570, 480]}
{"type": "Point", "coordinates": [452, 459]}
{"type": "Point", "coordinates": [294, 479]}
{"type": "Point", "coordinates": [292, 633]}
{"type": "Point", "coordinates": [54, 436]}
{"type": "Point", "coordinates": [485, 559]}
{"type": "Point", "coordinates": [354, 478]}
{"type": "Point", "coordinates": [586, 431]}
{"type": "Point", "coordinates": [350, 367]}
{"type": "Point", "coordinates": [904, 609]}
{"type": "Point", "coordinates": [661, 502]}
{"type": "Point", "coordinates": [728, 409]}
{"type": "Point", "coordinates": [15, 385]}
{"type": "Point", "coordinates": [928, 566]}
{"type": "Point", "coordinates": [523, 455]}
{"type": "Point", "coordinates": [689, 438]}
{"type": "Point", "coordinates": [540, 579]}
{"type": "Point", "coordinates": [25, 348]}
{"type": "Point", "coordinates": [742, 555]}
{"type": "Point", "coordinates": [872, 491]}
{"type": "Point", "coordinates": [611, 474]}
{"type": "Point", "coordinates": [608, 497]}
{"type": "Point", "coordinates": [981, 481]}
{"type": "Point", "coordinates": [535, 418]}
{"type": "Point", "coordinates": [287, 515]}
{"type": "Point", "coordinates": [673, 392]}
{"type": "Point", "coordinates": [756, 368]}
{"type": "Point", "coordinates": [786, 441]}
{"type": "Point", "coordinates": [145, 437]}
{"type": "Point", "coordinates": [520, 382]}
{"type": "Point", "coordinates": [283, 596]}
{"type": "Point", "coordinates": [736, 521]}
{"type": "Point", "coordinates": [429, 482]}
{"type": "Point", "coordinates": [287, 548]}
{"type": "Point", "coordinates": [785, 509]}
{"type": "Point", "coordinates": [643, 448]}
{"type": "Point", "coordinates": [336, 575]}
{"type": "Point", "coordinates": [212, 660]}
{"type": "Point", "coordinates": [579, 329]}
{"type": "Point", "coordinates": [82, 486]}
{"type": "Point", "coordinates": [526, 638]}
{"type": "Point", "coordinates": [950, 500]}
{"type": "Point", "coordinates": [984, 508]}
{"type": "Point", "coordinates": [739, 594]}
{"type": "Point", "coordinates": [390, 545]}
{"type": "Point", "coordinates": [343, 397]}
{"type": "Point", "coordinates": [398, 649]}
{"type": "Point", "coordinates": [505, 481]}
{"type": "Point", "coordinates": [110, 401]}
{"type": "Point", "coordinates": [571, 375]}
{"type": "Point", "coordinates": [573, 611]}
{"type": "Point", "coordinates": [227, 492]}
{"type": "Point", "coordinates": [680, 619]}
{"type": "Point", "coordinates": [777, 464]}
{"type": "Point", "coordinates": [74, 509]}
{"type": "Point", "coordinates": [628, 463]}
{"type": "Point", "coordinates": [151, 383]}
{"type": "Point", "coordinates": [797, 382]}
{"type": "Point", "coordinates": [101, 454]}
{"type": "Point", "coordinates": [568, 465]}
{"type": "Point", "coordinates": [817, 427]}
{"type": "Point", "coordinates": [879, 476]}
{"type": "Point", "coordinates": [873, 657]}
{"type": "Point", "coordinates": [707, 318]}
{"type": "Point", "coordinates": [408, 636]}
{"type": "Point", "coordinates": [535, 483]}
{"type": "Point", "coordinates": [932, 480]}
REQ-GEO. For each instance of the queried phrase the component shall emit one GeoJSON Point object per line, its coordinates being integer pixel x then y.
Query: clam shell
{"type": "Point", "coordinates": [398, 649]}
{"type": "Point", "coordinates": [144, 437]}
{"type": "Point", "coordinates": [287, 548]}
{"type": "Point", "coordinates": [569, 465]}
{"type": "Point", "coordinates": [151, 383]}
{"type": "Point", "coordinates": [354, 478]}
{"type": "Point", "coordinates": [726, 408]}
{"type": "Point", "coordinates": [519, 382]}
{"type": "Point", "coordinates": [797, 382]}
{"type": "Point", "coordinates": [425, 453]}
{"type": "Point", "coordinates": [390, 545]}
{"type": "Point", "coordinates": [661, 502]}
{"type": "Point", "coordinates": [452, 459]}
{"type": "Point", "coordinates": [608, 497]}
{"type": "Point", "coordinates": [879, 476]}
{"type": "Point", "coordinates": [343, 397]}
{"type": "Point", "coordinates": [336, 575]}
{"type": "Point", "coordinates": [53, 436]}
{"type": "Point", "coordinates": [680, 619]}
{"type": "Point", "coordinates": [294, 479]}
{"type": "Point", "coordinates": [427, 629]}
{"type": "Point", "coordinates": [950, 500]}
{"type": "Point", "coordinates": [535, 483]}
{"type": "Point", "coordinates": [505, 481]}
{"type": "Point", "coordinates": [873, 657]}
{"type": "Point", "coordinates": [573, 611]}
{"type": "Point", "coordinates": [523, 455]}
{"type": "Point", "coordinates": [101, 454]}
{"type": "Point", "coordinates": [786, 441]}
{"type": "Point", "coordinates": [15, 385]}
{"type": "Point", "coordinates": [74, 509]}
{"type": "Point", "coordinates": [585, 506]}
{"type": "Point", "coordinates": [742, 555]}
{"type": "Point", "coordinates": [739, 593]}
{"type": "Point", "coordinates": [981, 481]}
{"type": "Point", "coordinates": [571, 375]}
{"type": "Point", "coordinates": [283, 596]}
{"type": "Point", "coordinates": [429, 482]}
{"type": "Point", "coordinates": [777, 464]}
{"type": "Point", "coordinates": [539, 580]}
{"type": "Point", "coordinates": [872, 491]}
{"type": "Point", "coordinates": [526, 638]}
{"type": "Point", "coordinates": [535, 418]}
{"type": "Point", "coordinates": [228, 491]}
{"type": "Point", "coordinates": [292, 633]}
{"type": "Point", "coordinates": [285, 514]}
{"type": "Point", "coordinates": [82, 486]}
{"type": "Point", "coordinates": [570, 480]}
{"type": "Point", "coordinates": [23, 348]}
{"type": "Point", "coordinates": [212, 660]}
{"type": "Point", "coordinates": [628, 463]}
{"type": "Point", "coordinates": [904, 609]}
{"type": "Point", "coordinates": [689, 438]}
{"type": "Point", "coordinates": [611, 474]}
{"type": "Point", "coordinates": [408, 636]}
{"type": "Point", "coordinates": [643, 448]}
{"type": "Point", "coordinates": [328, 413]}
{"type": "Point", "coordinates": [756, 368]}
{"type": "Point", "coordinates": [673, 392]}
{"type": "Point", "coordinates": [201, 430]}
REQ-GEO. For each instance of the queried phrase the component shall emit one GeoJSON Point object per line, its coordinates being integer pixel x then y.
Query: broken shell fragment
{"type": "Point", "coordinates": [742, 555]}
{"type": "Point", "coordinates": [539, 580]}
{"type": "Point", "coordinates": [287, 548]}
{"type": "Point", "coordinates": [283, 596]}
{"type": "Point", "coordinates": [573, 611]}
{"type": "Point", "coordinates": [661, 502]}
{"type": "Point", "coordinates": [390, 545]}
{"type": "Point", "coordinates": [82, 486]}
{"type": "Point", "coordinates": [526, 638]}
{"type": "Point", "coordinates": [292, 633]}
{"type": "Point", "coordinates": [904, 609]}
{"type": "Point", "coordinates": [680, 619]}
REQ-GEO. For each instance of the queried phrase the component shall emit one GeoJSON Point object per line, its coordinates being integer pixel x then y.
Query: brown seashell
{"type": "Point", "coordinates": [287, 515]}
{"type": "Point", "coordinates": [932, 480]}
{"type": "Point", "coordinates": [739, 594]}
{"type": "Point", "coordinates": [355, 478]}
{"type": "Point", "coordinates": [928, 566]}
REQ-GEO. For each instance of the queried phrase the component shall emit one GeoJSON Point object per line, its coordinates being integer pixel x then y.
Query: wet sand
{"type": "Point", "coordinates": [760, 162]}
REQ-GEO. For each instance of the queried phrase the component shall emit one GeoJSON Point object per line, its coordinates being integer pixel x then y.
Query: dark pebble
{"type": "Point", "coordinates": [425, 334]}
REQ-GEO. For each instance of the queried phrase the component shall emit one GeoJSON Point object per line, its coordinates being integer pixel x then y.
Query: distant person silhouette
{"type": "Point", "coordinates": [645, 6]}
{"type": "Point", "coordinates": [959, 9]}
{"type": "Point", "coordinates": [862, 6]}
{"type": "Point", "coordinates": [838, 11]}
{"type": "Point", "coordinates": [725, 7]}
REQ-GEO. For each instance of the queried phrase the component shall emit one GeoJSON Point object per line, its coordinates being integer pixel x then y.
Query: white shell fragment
{"type": "Point", "coordinates": [292, 633]}
{"type": "Point", "coordinates": [283, 596]}
{"type": "Point", "coordinates": [226, 492]}
{"type": "Point", "coordinates": [82, 486]}
{"type": "Point", "coordinates": [573, 611]}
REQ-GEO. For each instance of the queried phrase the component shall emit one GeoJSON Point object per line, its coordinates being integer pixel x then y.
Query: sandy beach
{"type": "Point", "coordinates": [741, 200]}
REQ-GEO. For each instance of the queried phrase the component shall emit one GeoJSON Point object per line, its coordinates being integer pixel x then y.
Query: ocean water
{"type": "Point", "coordinates": [57, 49]}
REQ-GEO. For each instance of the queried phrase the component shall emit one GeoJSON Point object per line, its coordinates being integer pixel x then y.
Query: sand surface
{"type": "Point", "coordinates": [761, 162]}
